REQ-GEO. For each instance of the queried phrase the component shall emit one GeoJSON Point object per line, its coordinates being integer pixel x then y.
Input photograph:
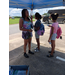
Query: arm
{"type": "Point", "coordinates": [21, 26]}
{"type": "Point", "coordinates": [37, 25]}
{"type": "Point", "coordinates": [32, 19]}
{"type": "Point", "coordinates": [49, 26]}
{"type": "Point", "coordinates": [37, 28]}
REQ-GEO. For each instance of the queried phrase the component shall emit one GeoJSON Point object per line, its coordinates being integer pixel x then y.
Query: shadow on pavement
{"type": "Point", "coordinates": [39, 64]}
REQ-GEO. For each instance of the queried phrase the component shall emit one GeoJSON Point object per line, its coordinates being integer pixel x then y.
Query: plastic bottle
{"type": "Point", "coordinates": [47, 25]}
{"type": "Point", "coordinates": [49, 42]}
{"type": "Point", "coordinates": [31, 13]}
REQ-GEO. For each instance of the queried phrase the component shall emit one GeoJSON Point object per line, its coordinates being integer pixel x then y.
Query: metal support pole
{"type": "Point", "coordinates": [31, 15]}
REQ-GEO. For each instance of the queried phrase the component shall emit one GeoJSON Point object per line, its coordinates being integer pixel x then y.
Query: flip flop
{"type": "Point", "coordinates": [50, 56]}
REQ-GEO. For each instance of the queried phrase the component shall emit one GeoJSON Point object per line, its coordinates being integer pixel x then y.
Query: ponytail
{"type": "Point", "coordinates": [38, 16]}
{"type": "Point", "coordinates": [54, 16]}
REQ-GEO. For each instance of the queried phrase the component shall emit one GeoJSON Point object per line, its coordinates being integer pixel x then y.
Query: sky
{"type": "Point", "coordinates": [17, 12]}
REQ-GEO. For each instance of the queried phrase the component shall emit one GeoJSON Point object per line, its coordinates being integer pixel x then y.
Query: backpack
{"type": "Point", "coordinates": [41, 30]}
{"type": "Point", "coordinates": [59, 32]}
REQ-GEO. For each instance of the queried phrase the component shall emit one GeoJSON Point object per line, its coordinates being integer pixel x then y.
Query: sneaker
{"type": "Point", "coordinates": [30, 52]}
{"type": "Point", "coordinates": [37, 50]}
{"type": "Point", "coordinates": [26, 55]}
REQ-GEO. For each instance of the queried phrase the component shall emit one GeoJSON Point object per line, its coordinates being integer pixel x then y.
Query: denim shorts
{"type": "Point", "coordinates": [54, 36]}
{"type": "Point", "coordinates": [36, 35]}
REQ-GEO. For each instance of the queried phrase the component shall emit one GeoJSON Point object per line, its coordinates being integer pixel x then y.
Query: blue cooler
{"type": "Point", "coordinates": [19, 70]}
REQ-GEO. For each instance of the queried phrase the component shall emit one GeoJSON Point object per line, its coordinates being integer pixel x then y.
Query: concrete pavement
{"type": "Point", "coordinates": [39, 63]}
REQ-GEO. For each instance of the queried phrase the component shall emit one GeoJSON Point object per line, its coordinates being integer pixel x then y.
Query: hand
{"type": "Point", "coordinates": [30, 30]}
{"type": "Point", "coordinates": [31, 17]}
{"type": "Point", "coordinates": [50, 26]}
{"type": "Point", "coordinates": [49, 40]}
{"type": "Point", "coordinates": [34, 27]}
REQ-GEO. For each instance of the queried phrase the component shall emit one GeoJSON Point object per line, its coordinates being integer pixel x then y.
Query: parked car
{"type": "Point", "coordinates": [61, 18]}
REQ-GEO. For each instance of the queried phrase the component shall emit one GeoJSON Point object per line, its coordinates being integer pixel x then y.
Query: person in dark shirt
{"type": "Point", "coordinates": [36, 28]}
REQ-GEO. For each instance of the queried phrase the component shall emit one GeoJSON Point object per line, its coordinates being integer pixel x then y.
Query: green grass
{"type": "Point", "coordinates": [15, 21]}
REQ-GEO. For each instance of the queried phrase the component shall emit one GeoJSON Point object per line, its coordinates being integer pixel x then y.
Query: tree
{"type": "Point", "coordinates": [45, 14]}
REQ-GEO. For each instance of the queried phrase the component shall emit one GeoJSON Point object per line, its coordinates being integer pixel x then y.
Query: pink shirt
{"type": "Point", "coordinates": [55, 25]}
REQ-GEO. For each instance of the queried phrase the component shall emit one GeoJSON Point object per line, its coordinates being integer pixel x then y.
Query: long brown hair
{"type": "Point", "coordinates": [24, 15]}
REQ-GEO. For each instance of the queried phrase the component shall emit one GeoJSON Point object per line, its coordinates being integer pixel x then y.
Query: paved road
{"type": "Point", "coordinates": [14, 29]}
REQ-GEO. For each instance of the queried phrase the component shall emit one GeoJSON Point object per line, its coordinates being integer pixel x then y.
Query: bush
{"type": "Point", "coordinates": [17, 17]}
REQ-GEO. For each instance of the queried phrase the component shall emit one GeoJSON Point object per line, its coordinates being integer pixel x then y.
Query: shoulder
{"type": "Point", "coordinates": [21, 19]}
{"type": "Point", "coordinates": [54, 24]}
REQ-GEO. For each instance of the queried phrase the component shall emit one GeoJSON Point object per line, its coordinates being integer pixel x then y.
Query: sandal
{"type": "Point", "coordinates": [51, 51]}
{"type": "Point", "coordinates": [30, 52]}
{"type": "Point", "coordinates": [50, 56]}
{"type": "Point", "coordinates": [25, 55]}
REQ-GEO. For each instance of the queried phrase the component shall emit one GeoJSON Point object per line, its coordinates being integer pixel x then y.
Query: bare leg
{"type": "Point", "coordinates": [53, 46]}
{"type": "Point", "coordinates": [25, 45]}
{"type": "Point", "coordinates": [38, 43]}
{"type": "Point", "coordinates": [29, 43]}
